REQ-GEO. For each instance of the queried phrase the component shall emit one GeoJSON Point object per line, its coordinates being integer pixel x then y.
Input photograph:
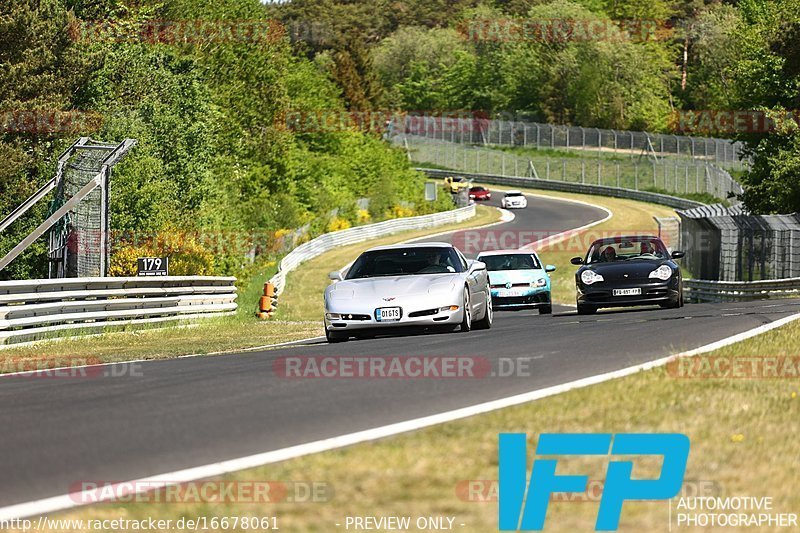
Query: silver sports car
{"type": "Point", "coordinates": [407, 285]}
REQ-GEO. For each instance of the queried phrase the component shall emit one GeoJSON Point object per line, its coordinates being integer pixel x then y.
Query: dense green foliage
{"type": "Point", "coordinates": [687, 55]}
{"type": "Point", "coordinates": [214, 156]}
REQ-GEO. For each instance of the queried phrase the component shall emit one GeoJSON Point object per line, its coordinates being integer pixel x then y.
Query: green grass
{"type": "Point", "coordinates": [302, 298]}
{"type": "Point", "coordinates": [742, 434]}
{"type": "Point", "coordinates": [678, 177]}
{"type": "Point", "coordinates": [299, 317]}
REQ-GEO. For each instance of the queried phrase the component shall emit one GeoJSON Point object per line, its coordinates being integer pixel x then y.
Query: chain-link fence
{"type": "Point", "coordinates": [604, 142]}
{"type": "Point", "coordinates": [671, 176]}
{"type": "Point", "coordinates": [79, 239]}
{"type": "Point", "coordinates": [730, 245]}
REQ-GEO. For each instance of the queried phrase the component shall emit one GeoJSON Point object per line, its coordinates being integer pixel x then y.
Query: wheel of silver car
{"type": "Point", "coordinates": [466, 321]}
{"type": "Point", "coordinates": [332, 337]}
{"type": "Point", "coordinates": [488, 316]}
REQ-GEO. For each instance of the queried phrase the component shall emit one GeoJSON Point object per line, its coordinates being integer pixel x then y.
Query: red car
{"type": "Point", "coordinates": [480, 193]}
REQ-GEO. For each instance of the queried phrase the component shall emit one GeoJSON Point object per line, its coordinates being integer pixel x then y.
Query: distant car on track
{"type": "Point", "coordinates": [407, 285]}
{"type": "Point", "coordinates": [518, 279]}
{"type": "Point", "coordinates": [628, 270]}
{"type": "Point", "coordinates": [480, 194]}
{"type": "Point", "coordinates": [454, 184]}
{"type": "Point", "coordinates": [514, 200]}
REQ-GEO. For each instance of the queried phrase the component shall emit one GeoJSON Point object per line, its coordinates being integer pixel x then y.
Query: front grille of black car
{"type": "Point", "coordinates": [427, 312]}
{"type": "Point", "coordinates": [606, 296]}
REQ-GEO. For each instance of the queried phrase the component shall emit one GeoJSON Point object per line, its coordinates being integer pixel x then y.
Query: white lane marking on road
{"type": "Point", "coordinates": [68, 501]}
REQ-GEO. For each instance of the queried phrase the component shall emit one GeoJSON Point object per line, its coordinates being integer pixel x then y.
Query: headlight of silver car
{"type": "Point", "coordinates": [590, 276]}
{"type": "Point", "coordinates": [541, 282]}
{"type": "Point", "coordinates": [664, 272]}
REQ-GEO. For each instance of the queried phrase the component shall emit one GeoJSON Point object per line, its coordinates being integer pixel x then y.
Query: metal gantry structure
{"type": "Point", "coordinates": [78, 220]}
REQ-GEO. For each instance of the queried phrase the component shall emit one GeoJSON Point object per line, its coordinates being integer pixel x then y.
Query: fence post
{"type": "Point", "coordinates": [615, 139]}
{"type": "Point", "coordinates": [655, 183]}
{"type": "Point", "coordinates": [583, 171]}
{"type": "Point", "coordinates": [548, 169]}
{"type": "Point", "coordinates": [696, 179]}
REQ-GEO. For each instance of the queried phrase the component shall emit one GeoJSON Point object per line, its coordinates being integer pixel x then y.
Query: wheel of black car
{"type": "Point", "coordinates": [546, 310]}
{"type": "Point", "coordinates": [332, 336]}
{"type": "Point", "coordinates": [586, 309]}
{"type": "Point", "coordinates": [486, 321]}
{"type": "Point", "coordinates": [466, 321]}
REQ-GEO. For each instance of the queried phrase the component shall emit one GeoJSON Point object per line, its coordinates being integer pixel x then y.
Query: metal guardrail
{"type": "Point", "coordinates": [335, 239]}
{"type": "Point", "coordinates": [602, 190]}
{"type": "Point", "coordinates": [699, 290]}
{"type": "Point", "coordinates": [37, 309]}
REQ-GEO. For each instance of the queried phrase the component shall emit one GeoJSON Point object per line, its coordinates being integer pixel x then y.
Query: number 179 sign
{"type": "Point", "coordinates": [153, 266]}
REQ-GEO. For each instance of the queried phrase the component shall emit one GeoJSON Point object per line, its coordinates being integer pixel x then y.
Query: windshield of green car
{"type": "Point", "coordinates": [510, 262]}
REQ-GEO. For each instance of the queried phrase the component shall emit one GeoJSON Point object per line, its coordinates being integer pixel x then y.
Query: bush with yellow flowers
{"type": "Point", "coordinates": [337, 223]}
{"type": "Point", "coordinates": [401, 211]}
{"type": "Point", "coordinates": [187, 255]}
{"type": "Point", "coordinates": [363, 216]}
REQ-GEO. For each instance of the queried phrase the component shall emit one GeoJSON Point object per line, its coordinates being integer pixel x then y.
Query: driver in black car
{"type": "Point", "coordinates": [609, 254]}
{"type": "Point", "coordinates": [647, 248]}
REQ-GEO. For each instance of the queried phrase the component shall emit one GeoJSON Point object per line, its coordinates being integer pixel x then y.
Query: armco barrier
{"type": "Point", "coordinates": [332, 240]}
{"type": "Point", "coordinates": [581, 188]}
{"type": "Point", "coordinates": [36, 309]}
{"type": "Point", "coordinates": [698, 290]}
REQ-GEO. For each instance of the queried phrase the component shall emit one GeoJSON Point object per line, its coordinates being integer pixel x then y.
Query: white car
{"type": "Point", "coordinates": [407, 285]}
{"type": "Point", "coordinates": [514, 200]}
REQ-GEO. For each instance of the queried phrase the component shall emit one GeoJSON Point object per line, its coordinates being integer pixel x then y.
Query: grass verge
{"type": "Point", "coordinates": [743, 443]}
{"type": "Point", "coordinates": [302, 298]}
{"type": "Point", "coordinates": [297, 319]}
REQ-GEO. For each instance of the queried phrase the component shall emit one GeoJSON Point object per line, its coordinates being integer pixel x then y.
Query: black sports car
{"type": "Point", "coordinates": [623, 271]}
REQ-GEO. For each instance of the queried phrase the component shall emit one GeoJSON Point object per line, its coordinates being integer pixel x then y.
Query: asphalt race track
{"type": "Point", "coordinates": [177, 414]}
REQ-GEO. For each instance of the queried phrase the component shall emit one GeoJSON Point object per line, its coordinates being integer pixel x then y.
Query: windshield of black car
{"type": "Point", "coordinates": [405, 262]}
{"type": "Point", "coordinates": [510, 262]}
{"type": "Point", "coordinates": [626, 250]}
